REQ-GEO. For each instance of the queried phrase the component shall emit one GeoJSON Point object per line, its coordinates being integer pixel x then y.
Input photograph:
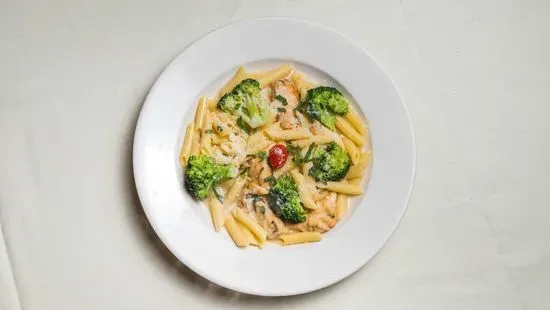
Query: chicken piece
{"type": "Point", "coordinates": [300, 227]}
{"type": "Point", "coordinates": [287, 119]}
{"type": "Point", "coordinates": [324, 226]}
{"type": "Point", "coordinates": [319, 194]}
{"type": "Point", "coordinates": [287, 89]}
{"type": "Point", "coordinates": [255, 168]}
{"type": "Point", "coordinates": [274, 225]}
{"type": "Point", "coordinates": [258, 170]}
{"type": "Point", "coordinates": [329, 203]}
{"type": "Point", "coordinates": [302, 120]}
{"type": "Point", "coordinates": [231, 151]}
{"type": "Point", "coordinates": [322, 219]}
{"type": "Point", "coordinates": [222, 124]}
{"type": "Point", "coordinates": [315, 128]}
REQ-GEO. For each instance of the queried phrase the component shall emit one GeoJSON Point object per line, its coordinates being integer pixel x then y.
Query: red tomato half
{"type": "Point", "coordinates": [277, 156]}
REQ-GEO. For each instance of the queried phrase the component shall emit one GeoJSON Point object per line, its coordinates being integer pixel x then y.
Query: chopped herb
{"type": "Point", "coordinates": [309, 153]}
{"type": "Point", "coordinates": [209, 131]}
{"type": "Point", "coordinates": [261, 170]}
{"type": "Point", "coordinates": [298, 158]}
{"type": "Point", "coordinates": [243, 126]}
{"type": "Point", "coordinates": [300, 106]}
{"type": "Point", "coordinates": [281, 99]}
{"type": "Point", "coordinates": [296, 153]}
{"type": "Point", "coordinates": [257, 198]}
{"type": "Point", "coordinates": [219, 128]}
{"type": "Point", "coordinates": [262, 155]}
{"type": "Point", "coordinates": [261, 209]}
{"type": "Point", "coordinates": [218, 195]}
{"type": "Point", "coordinates": [243, 171]}
{"type": "Point", "coordinates": [282, 110]}
{"type": "Point", "coordinates": [250, 155]}
{"type": "Point", "coordinates": [270, 179]}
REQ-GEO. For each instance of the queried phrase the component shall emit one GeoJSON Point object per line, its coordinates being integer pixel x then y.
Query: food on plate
{"type": "Point", "coordinates": [245, 102]}
{"type": "Point", "coordinates": [284, 200]}
{"type": "Point", "coordinates": [323, 103]}
{"type": "Point", "coordinates": [330, 163]}
{"type": "Point", "coordinates": [275, 156]}
{"type": "Point", "coordinates": [202, 174]}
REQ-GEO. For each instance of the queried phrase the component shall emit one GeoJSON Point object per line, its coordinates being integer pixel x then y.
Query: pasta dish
{"type": "Point", "coordinates": [275, 156]}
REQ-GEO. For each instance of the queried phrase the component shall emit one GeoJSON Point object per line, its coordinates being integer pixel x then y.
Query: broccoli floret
{"type": "Point", "coordinates": [330, 163]}
{"type": "Point", "coordinates": [319, 112]}
{"type": "Point", "coordinates": [246, 102]}
{"type": "Point", "coordinates": [202, 174]}
{"type": "Point", "coordinates": [323, 102]}
{"type": "Point", "coordinates": [284, 201]}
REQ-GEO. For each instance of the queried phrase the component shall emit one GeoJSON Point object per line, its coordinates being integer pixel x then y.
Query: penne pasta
{"type": "Point", "coordinates": [301, 83]}
{"type": "Point", "coordinates": [240, 75]}
{"type": "Point", "coordinates": [345, 127]}
{"type": "Point", "coordinates": [304, 189]}
{"type": "Point", "coordinates": [356, 181]}
{"type": "Point", "coordinates": [187, 144]}
{"type": "Point", "coordinates": [289, 165]}
{"type": "Point", "coordinates": [341, 187]}
{"type": "Point", "coordinates": [358, 170]}
{"type": "Point", "coordinates": [305, 171]}
{"type": "Point", "coordinates": [217, 140]}
{"type": "Point", "coordinates": [355, 120]}
{"type": "Point", "coordinates": [324, 137]}
{"type": "Point", "coordinates": [290, 134]}
{"type": "Point", "coordinates": [206, 140]}
{"type": "Point", "coordinates": [342, 202]}
{"type": "Point", "coordinates": [216, 211]}
{"type": "Point", "coordinates": [195, 144]}
{"type": "Point", "coordinates": [301, 237]}
{"type": "Point", "coordinates": [226, 186]}
{"type": "Point", "coordinates": [305, 168]}
{"type": "Point", "coordinates": [276, 125]}
{"type": "Point", "coordinates": [235, 191]}
{"type": "Point", "coordinates": [211, 103]}
{"type": "Point", "coordinates": [271, 119]}
{"type": "Point", "coordinates": [250, 223]}
{"type": "Point", "coordinates": [236, 233]}
{"type": "Point", "coordinates": [352, 150]}
{"type": "Point", "coordinates": [257, 142]}
{"type": "Point", "coordinates": [266, 78]}
{"type": "Point", "coordinates": [199, 114]}
{"type": "Point", "coordinates": [251, 238]}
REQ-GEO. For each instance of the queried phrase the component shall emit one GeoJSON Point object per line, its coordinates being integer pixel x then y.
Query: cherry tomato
{"type": "Point", "coordinates": [277, 156]}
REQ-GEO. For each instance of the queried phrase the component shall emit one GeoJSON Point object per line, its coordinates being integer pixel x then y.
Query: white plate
{"type": "Point", "coordinates": [185, 226]}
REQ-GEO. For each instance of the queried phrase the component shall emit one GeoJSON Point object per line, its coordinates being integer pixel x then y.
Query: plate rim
{"type": "Point", "coordinates": [141, 192]}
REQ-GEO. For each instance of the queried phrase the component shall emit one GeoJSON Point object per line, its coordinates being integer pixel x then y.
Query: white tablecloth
{"type": "Point", "coordinates": [475, 75]}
